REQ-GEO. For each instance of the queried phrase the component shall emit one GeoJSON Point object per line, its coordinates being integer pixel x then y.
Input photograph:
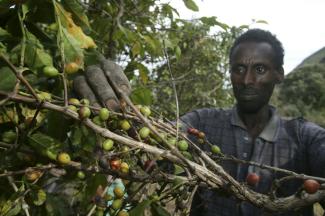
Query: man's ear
{"type": "Point", "coordinates": [279, 75]}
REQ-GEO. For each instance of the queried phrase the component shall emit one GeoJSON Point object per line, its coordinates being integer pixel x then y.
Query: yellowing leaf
{"type": "Point", "coordinates": [10, 114]}
{"type": "Point", "coordinates": [78, 11]}
{"type": "Point", "coordinates": [74, 30]}
{"type": "Point", "coordinates": [72, 49]}
{"type": "Point", "coordinates": [29, 113]}
{"type": "Point", "coordinates": [136, 49]}
{"type": "Point", "coordinates": [39, 197]}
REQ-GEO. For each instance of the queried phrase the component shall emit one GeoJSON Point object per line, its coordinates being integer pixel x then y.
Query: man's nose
{"type": "Point", "coordinates": [249, 78]}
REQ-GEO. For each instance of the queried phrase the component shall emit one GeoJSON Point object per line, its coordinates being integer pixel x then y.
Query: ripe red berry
{"type": "Point", "coordinates": [193, 131]}
{"type": "Point", "coordinates": [311, 186]}
{"type": "Point", "coordinates": [115, 164]}
{"type": "Point", "coordinates": [201, 135]}
{"type": "Point", "coordinates": [252, 179]}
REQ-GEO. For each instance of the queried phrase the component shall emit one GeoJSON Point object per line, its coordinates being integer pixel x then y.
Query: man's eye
{"type": "Point", "coordinates": [239, 70]}
{"type": "Point", "coordinates": [260, 69]}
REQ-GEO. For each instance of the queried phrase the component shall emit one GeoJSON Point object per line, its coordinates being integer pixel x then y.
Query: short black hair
{"type": "Point", "coordinates": [259, 35]}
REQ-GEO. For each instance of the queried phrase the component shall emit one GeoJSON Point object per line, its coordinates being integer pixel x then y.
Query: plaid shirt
{"type": "Point", "coordinates": [294, 145]}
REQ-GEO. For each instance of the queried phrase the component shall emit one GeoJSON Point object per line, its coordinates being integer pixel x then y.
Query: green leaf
{"type": "Point", "coordinates": [74, 6]}
{"type": "Point", "coordinates": [43, 144]}
{"type": "Point", "coordinates": [76, 136]}
{"type": "Point", "coordinates": [223, 25]}
{"type": "Point", "coordinates": [57, 125]}
{"type": "Point", "coordinates": [83, 138]}
{"type": "Point", "coordinates": [8, 115]}
{"type": "Point", "coordinates": [142, 96]}
{"type": "Point", "coordinates": [91, 186]}
{"type": "Point", "coordinates": [3, 48]}
{"type": "Point", "coordinates": [88, 139]}
{"type": "Point", "coordinates": [55, 205]}
{"type": "Point", "coordinates": [261, 21]}
{"type": "Point", "coordinates": [136, 48]}
{"type": "Point", "coordinates": [178, 52]}
{"type": "Point", "coordinates": [35, 55]}
{"type": "Point", "coordinates": [178, 169]}
{"type": "Point", "coordinates": [190, 4]}
{"type": "Point", "coordinates": [16, 208]}
{"type": "Point", "coordinates": [158, 210]}
{"type": "Point", "coordinates": [149, 40]}
{"type": "Point", "coordinates": [153, 43]}
{"type": "Point", "coordinates": [130, 35]}
{"type": "Point", "coordinates": [3, 33]}
{"type": "Point", "coordinates": [91, 56]}
{"type": "Point", "coordinates": [244, 27]}
{"type": "Point", "coordinates": [25, 10]}
{"type": "Point", "coordinates": [211, 21]}
{"type": "Point", "coordinates": [143, 70]}
{"type": "Point", "coordinates": [7, 79]}
{"type": "Point", "coordinates": [140, 208]}
{"type": "Point", "coordinates": [39, 197]}
{"type": "Point", "coordinates": [5, 207]}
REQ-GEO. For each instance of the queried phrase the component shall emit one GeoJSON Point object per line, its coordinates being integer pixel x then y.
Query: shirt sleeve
{"type": "Point", "coordinates": [190, 119]}
{"type": "Point", "coordinates": [314, 138]}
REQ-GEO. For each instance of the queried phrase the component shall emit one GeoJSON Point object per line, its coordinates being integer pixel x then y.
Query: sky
{"type": "Point", "coordinates": [298, 24]}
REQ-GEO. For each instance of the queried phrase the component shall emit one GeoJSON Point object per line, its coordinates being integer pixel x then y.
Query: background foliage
{"type": "Point", "coordinates": [303, 91]}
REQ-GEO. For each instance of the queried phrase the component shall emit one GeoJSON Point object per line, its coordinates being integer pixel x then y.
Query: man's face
{"type": "Point", "coordinates": [253, 75]}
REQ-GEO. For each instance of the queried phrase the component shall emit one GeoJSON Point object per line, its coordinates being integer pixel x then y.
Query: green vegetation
{"type": "Point", "coordinates": [303, 91]}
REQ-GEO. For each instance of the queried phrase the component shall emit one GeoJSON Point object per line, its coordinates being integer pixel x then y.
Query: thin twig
{"type": "Point", "coordinates": [19, 76]}
{"type": "Point", "coordinates": [214, 178]}
{"type": "Point", "coordinates": [23, 41]}
{"type": "Point", "coordinates": [275, 169]}
{"type": "Point", "coordinates": [24, 204]}
{"type": "Point", "coordinates": [94, 206]}
{"type": "Point", "coordinates": [174, 89]}
{"type": "Point", "coordinates": [60, 43]}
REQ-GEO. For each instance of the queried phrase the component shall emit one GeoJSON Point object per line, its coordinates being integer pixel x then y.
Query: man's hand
{"type": "Point", "coordinates": [94, 85]}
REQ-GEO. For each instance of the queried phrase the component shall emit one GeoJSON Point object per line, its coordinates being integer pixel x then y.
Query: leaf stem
{"type": "Point", "coordinates": [23, 42]}
{"type": "Point", "coordinates": [60, 44]}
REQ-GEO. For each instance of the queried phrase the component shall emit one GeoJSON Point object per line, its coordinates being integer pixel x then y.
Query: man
{"type": "Point", "coordinates": [253, 131]}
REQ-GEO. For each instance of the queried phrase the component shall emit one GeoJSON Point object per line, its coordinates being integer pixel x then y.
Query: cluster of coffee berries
{"type": "Point", "coordinates": [113, 202]}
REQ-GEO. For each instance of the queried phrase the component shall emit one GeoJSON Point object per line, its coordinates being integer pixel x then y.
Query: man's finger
{"type": "Point", "coordinates": [116, 74]}
{"type": "Point", "coordinates": [81, 87]}
{"type": "Point", "coordinates": [99, 84]}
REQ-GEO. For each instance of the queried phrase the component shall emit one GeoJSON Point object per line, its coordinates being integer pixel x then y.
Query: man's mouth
{"type": "Point", "coordinates": [248, 94]}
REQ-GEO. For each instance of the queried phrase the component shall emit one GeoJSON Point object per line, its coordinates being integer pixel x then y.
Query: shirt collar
{"type": "Point", "coordinates": [268, 133]}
